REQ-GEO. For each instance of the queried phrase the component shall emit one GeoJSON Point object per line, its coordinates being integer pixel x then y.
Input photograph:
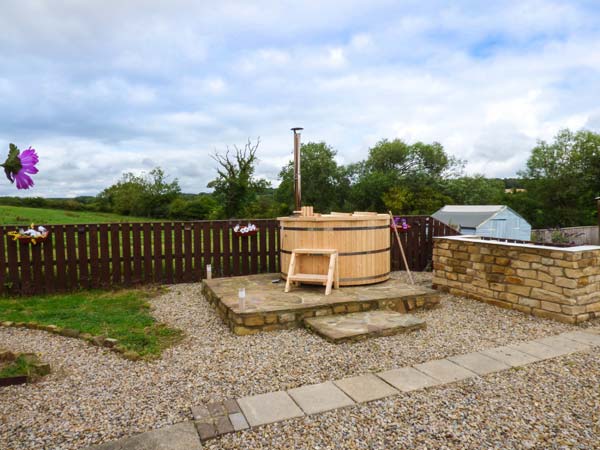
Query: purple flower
{"type": "Point", "coordinates": [28, 161]}
{"type": "Point", "coordinates": [19, 165]}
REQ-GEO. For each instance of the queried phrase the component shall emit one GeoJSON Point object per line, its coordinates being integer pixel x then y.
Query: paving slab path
{"type": "Point", "coordinates": [252, 411]}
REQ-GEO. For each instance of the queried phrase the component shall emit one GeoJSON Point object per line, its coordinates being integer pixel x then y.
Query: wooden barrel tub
{"type": "Point", "coordinates": [362, 242]}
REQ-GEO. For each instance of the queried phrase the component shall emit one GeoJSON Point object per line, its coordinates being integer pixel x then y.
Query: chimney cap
{"type": "Point", "coordinates": [296, 129]}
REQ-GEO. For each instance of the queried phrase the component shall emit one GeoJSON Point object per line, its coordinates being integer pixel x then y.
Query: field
{"type": "Point", "coordinates": [18, 215]}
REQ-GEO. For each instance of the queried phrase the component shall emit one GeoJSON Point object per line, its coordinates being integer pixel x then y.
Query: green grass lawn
{"type": "Point", "coordinates": [16, 368]}
{"type": "Point", "coordinates": [18, 215]}
{"type": "Point", "coordinates": [123, 315]}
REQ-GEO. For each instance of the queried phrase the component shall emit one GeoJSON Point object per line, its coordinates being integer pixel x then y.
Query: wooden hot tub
{"type": "Point", "coordinates": [362, 242]}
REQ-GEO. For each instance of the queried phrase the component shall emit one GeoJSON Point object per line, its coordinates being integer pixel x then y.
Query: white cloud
{"type": "Point", "coordinates": [99, 88]}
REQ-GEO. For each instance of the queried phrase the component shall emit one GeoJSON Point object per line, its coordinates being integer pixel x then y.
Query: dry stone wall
{"type": "Point", "coordinates": [556, 283]}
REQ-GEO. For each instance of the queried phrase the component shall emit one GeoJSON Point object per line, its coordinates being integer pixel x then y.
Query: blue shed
{"type": "Point", "coordinates": [485, 220]}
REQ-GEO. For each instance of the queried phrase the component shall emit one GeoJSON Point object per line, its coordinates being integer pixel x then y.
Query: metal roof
{"type": "Point", "coordinates": [467, 216]}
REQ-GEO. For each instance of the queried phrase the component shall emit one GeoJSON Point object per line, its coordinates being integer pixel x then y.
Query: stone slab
{"type": "Point", "coordinates": [268, 408]}
{"type": "Point", "coordinates": [583, 337]}
{"type": "Point", "coordinates": [563, 344]}
{"type": "Point", "coordinates": [238, 421]}
{"type": "Point", "coordinates": [510, 356]}
{"type": "Point", "coordinates": [365, 388]}
{"type": "Point", "coordinates": [538, 350]}
{"type": "Point", "coordinates": [479, 363]}
{"type": "Point", "coordinates": [316, 398]}
{"type": "Point", "coordinates": [444, 370]}
{"type": "Point", "coordinates": [408, 379]}
{"type": "Point", "coordinates": [181, 436]}
{"type": "Point", "coordinates": [360, 325]}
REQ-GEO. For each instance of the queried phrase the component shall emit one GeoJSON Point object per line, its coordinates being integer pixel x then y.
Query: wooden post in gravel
{"type": "Point", "coordinates": [393, 224]}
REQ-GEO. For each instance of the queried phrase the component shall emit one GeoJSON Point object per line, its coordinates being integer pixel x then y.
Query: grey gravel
{"type": "Point", "coordinates": [93, 395]}
{"type": "Point", "coordinates": [554, 404]}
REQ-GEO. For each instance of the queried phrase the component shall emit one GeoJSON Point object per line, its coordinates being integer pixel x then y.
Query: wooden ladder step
{"type": "Point", "coordinates": [308, 277]}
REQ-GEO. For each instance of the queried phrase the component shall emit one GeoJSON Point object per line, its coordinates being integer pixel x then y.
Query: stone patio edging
{"type": "Point", "coordinates": [219, 418]}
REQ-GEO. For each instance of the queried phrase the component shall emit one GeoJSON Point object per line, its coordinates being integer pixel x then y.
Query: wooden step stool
{"type": "Point", "coordinates": [331, 278]}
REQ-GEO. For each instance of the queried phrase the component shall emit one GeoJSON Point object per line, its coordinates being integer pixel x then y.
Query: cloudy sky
{"type": "Point", "coordinates": [100, 87]}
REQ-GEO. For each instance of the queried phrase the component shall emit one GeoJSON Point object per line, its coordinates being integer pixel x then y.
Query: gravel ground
{"type": "Point", "coordinates": [95, 396]}
{"type": "Point", "coordinates": [549, 405]}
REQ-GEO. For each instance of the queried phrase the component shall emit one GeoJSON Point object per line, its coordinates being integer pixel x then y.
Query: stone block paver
{"type": "Point", "coordinates": [360, 325]}
{"type": "Point", "coordinates": [510, 356]}
{"type": "Point", "coordinates": [365, 388]}
{"type": "Point", "coordinates": [238, 421]}
{"type": "Point", "coordinates": [408, 379]}
{"type": "Point", "coordinates": [583, 337]}
{"type": "Point", "coordinates": [538, 350]}
{"type": "Point", "coordinates": [223, 425]}
{"type": "Point", "coordinates": [268, 408]}
{"type": "Point", "coordinates": [181, 436]}
{"type": "Point", "coordinates": [200, 413]}
{"type": "Point", "coordinates": [479, 363]}
{"type": "Point", "coordinates": [206, 430]}
{"type": "Point", "coordinates": [231, 406]}
{"type": "Point", "coordinates": [444, 370]}
{"type": "Point", "coordinates": [563, 344]}
{"type": "Point", "coordinates": [316, 398]}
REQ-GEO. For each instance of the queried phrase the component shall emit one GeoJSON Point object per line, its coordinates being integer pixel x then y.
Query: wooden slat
{"type": "Point", "coordinates": [226, 248]}
{"type": "Point", "coordinates": [95, 266]}
{"type": "Point", "coordinates": [82, 257]}
{"type": "Point", "coordinates": [126, 249]}
{"type": "Point", "coordinates": [168, 237]}
{"type": "Point", "coordinates": [61, 265]}
{"type": "Point", "coordinates": [148, 276]}
{"type": "Point", "coordinates": [197, 238]}
{"type": "Point", "coordinates": [12, 254]}
{"type": "Point", "coordinates": [115, 253]}
{"type": "Point", "coordinates": [26, 287]}
{"type": "Point", "coordinates": [177, 250]}
{"type": "Point", "coordinates": [235, 253]}
{"type": "Point", "coordinates": [253, 253]}
{"type": "Point", "coordinates": [136, 238]}
{"type": "Point", "coordinates": [272, 232]}
{"type": "Point", "coordinates": [104, 255]}
{"type": "Point", "coordinates": [245, 254]}
{"type": "Point", "coordinates": [48, 251]}
{"type": "Point", "coordinates": [206, 242]}
{"type": "Point", "coordinates": [262, 233]}
{"type": "Point", "coordinates": [37, 267]}
{"type": "Point", "coordinates": [71, 244]}
{"type": "Point", "coordinates": [158, 251]}
{"type": "Point", "coordinates": [217, 228]}
{"type": "Point", "coordinates": [188, 250]}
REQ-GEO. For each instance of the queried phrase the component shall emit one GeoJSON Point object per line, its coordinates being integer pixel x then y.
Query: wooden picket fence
{"type": "Point", "coordinates": [128, 254]}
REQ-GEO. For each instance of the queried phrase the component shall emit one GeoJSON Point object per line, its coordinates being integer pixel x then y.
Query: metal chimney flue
{"type": "Point", "coordinates": [297, 180]}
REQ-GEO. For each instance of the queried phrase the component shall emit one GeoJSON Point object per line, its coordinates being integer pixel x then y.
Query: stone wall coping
{"type": "Point", "coordinates": [476, 239]}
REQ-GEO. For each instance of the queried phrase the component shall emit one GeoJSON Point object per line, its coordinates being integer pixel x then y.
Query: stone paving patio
{"type": "Point", "coordinates": [266, 307]}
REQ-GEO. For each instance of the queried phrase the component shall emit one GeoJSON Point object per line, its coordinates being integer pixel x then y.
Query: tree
{"type": "Point", "coordinates": [198, 208]}
{"type": "Point", "coordinates": [325, 185]}
{"type": "Point", "coordinates": [475, 190]}
{"type": "Point", "coordinates": [147, 195]}
{"type": "Point", "coordinates": [561, 179]}
{"type": "Point", "coordinates": [405, 178]}
{"type": "Point", "coordinates": [235, 187]}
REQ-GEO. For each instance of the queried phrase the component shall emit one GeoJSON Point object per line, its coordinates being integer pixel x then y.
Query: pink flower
{"type": "Point", "coordinates": [28, 161]}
